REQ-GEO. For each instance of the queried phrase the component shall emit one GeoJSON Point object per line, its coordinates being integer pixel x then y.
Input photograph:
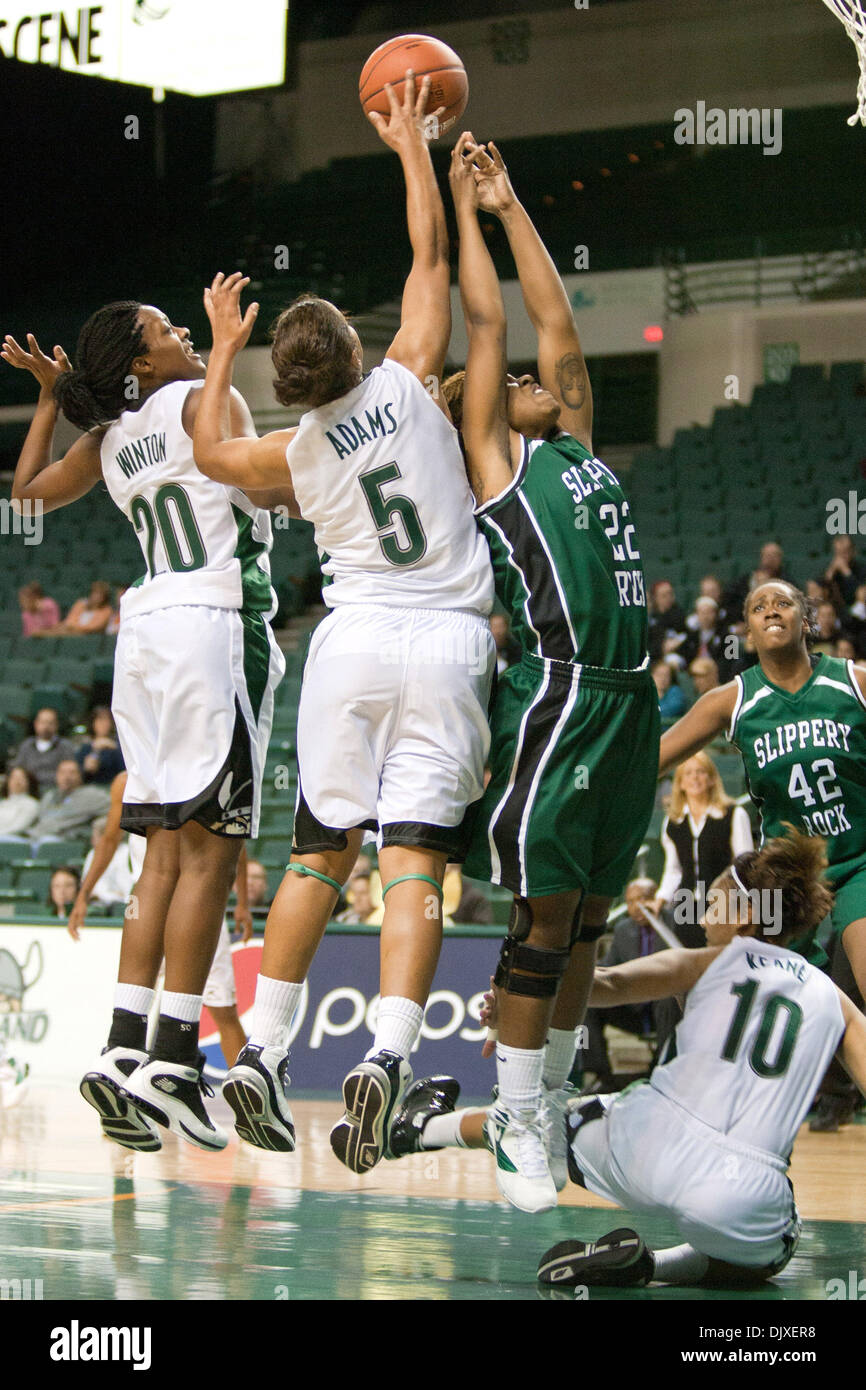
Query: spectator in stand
{"type": "Point", "coordinates": [38, 612]}
{"type": "Point", "coordinates": [63, 890]}
{"type": "Point", "coordinates": [100, 758]}
{"type": "Point", "coordinates": [19, 807]}
{"type": "Point", "coordinates": [258, 893]}
{"type": "Point", "coordinates": [632, 937]}
{"type": "Point", "coordinates": [667, 621]}
{"type": "Point", "coordinates": [846, 570]}
{"type": "Point", "coordinates": [701, 835]}
{"type": "Point", "coordinates": [86, 616]}
{"type": "Point", "coordinates": [705, 633]}
{"type": "Point", "coordinates": [705, 674]}
{"type": "Point", "coordinates": [358, 894]}
{"type": "Point", "coordinates": [472, 905]}
{"type": "Point", "coordinates": [818, 591]}
{"type": "Point", "coordinates": [41, 753]}
{"type": "Point", "coordinates": [507, 650]}
{"type": "Point", "coordinates": [828, 629]}
{"type": "Point", "coordinates": [771, 565]}
{"type": "Point", "coordinates": [843, 647]}
{"type": "Point", "coordinates": [67, 812]}
{"type": "Point", "coordinates": [113, 624]}
{"type": "Point", "coordinates": [672, 701]}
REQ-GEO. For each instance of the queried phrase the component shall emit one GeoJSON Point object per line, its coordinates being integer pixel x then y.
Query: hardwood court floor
{"type": "Point", "coordinates": [95, 1222]}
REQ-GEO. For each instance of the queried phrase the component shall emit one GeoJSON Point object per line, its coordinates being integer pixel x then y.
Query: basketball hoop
{"type": "Point", "coordinates": [853, 17]}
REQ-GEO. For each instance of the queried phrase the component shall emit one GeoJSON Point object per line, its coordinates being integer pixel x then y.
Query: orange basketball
{"type": "Point", "coordinates": [426, 57]}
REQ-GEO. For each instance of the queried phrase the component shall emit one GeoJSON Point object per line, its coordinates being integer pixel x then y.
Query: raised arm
{"type": "Point", "coordinates": [242, 460]}
{"type": "Point", "coordinates": [36, 478]}
{"type": "Point", "coordinates": [561, 365]}
{"type": "Point", "coordinates": [485, 419]}
{"type": "Point", "coordinates": [699, 726]}
{"type": "Point", "coordinates": [425, 321]}
{"type": "Point", "coordinates": [650, 977]}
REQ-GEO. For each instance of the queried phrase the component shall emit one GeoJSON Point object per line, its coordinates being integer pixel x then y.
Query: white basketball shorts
{"type": "Point", "coordinates": [219, 990]}
{"type": "Point", "coordinates": [392, 725]}
{"type": "Point", "coordinates": [647, 1154]}
{"type": "Point", "coordinates": [193, 703]}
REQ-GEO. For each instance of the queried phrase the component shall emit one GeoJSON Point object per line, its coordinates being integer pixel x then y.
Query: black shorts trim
{"type": "Point", "coordinates": [310, 836]}
{"type": "Point", "coordinates": [224, 807]}
{"type": "Point", "coordinates": [537, 734]}
{"type": "Point", "coordinates": [443, 839]}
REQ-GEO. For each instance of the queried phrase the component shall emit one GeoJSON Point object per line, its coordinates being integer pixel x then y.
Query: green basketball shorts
{"type": "Point", "coordinates": [574, 766]}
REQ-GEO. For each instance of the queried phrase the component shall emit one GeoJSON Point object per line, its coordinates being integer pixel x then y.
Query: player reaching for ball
{"type": "Point", "coordinates": [706, 1141]}
{"type": "Point", "coordinates": [799, 722]}
{"type": "Point", "coordinates": [195, 671]}
{"type": "Point", "coordinates": [392, 722]}
{"type": "Point", "coordinates": [575, 722]}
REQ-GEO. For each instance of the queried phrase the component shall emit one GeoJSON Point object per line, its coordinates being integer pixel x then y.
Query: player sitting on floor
{"type": "Point", "coordinates": [707, 1140]}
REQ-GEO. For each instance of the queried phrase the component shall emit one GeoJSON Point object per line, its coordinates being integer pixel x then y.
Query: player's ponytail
{"type": "Point", "coordinates": [313, 354]}
{"type": "Point", "coordinates": [792, 865]}
{"type": "Point", "coordinates": [95, 393]}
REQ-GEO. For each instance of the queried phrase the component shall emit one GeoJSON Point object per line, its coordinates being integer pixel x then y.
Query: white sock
{"type": "Point", "coordinates": [185, 1007]}
{"type": "Point", "coordinates": [274, 1010]}
{"type": "Point", "coordinates": [559, 1055]}
{"type": "Point", "coordinates": [443, 1132]}
{"type": "Point", "coordinates": [518, 1071]}
{"type": "Point", "coordinates": [397, 1026]}
{"type": "Point", "coordinates": [680, 1264]}
{"type": "Point", "coordinates": [136, 999]}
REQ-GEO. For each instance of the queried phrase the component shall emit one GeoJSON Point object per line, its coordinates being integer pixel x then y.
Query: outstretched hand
{"type": "Point", "coordinates": [45, 369]}
{"type": "Point", "coordinates": [222, 303]}
{"type": "Point", "coordinates": [495, 193]}
{"type": "Point", "coordinates": [461, 175]}
{"type": "Point", "coordinates": [409, 123]}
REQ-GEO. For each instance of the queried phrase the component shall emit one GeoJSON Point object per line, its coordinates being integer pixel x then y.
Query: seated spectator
{"type": "Point", "coordinates": [258, 895]}
{"type": "Point", "coordinates": [87, 615]}
{"type": "Point", "coordinates": [20, 805]}
{"type": "Point", "coordinates": [770, 566]}
{"type": "Point", "coordinates": [507, 649]}
{"type": "Point", "coordinates": [828, 629]}
{"type": "Point", "coordinates": [667, 622]}
{"type": "Point", "coordinates": [672, 701]}
{"type": "Point", "coordinates": [38, 612]}
{"type": "Point", "coordinates": [471, 905]}
{"type": "Point", "coordinates": [113, 625]}
{"type": "Point", "coordinates": [843, 647]}
{"type": "Point", "coordinates": [818, 591]}
{"type": "Point", "coordinates": [846, 570]}
{"type": "Point", "coordinates": [705, 632]}
{"type": "Point", "coordinates": [705, 674]}
{"type": "Point", "coordinates": [100, 758]}
{"type": "Point", "coordinates": [63, 890]}
{"type": "Point", "coordinates": [358, 894]}
{"type": "Point", "coordinates": [66, 813]}
{"type": "Point", "coordinates": [114, 886]}
{"type": "Point", "coordinates": [41, 753]}
{"type": "Point", "coordinates": [633, 936]}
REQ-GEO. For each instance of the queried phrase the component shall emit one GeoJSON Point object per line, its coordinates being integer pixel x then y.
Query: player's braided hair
{"type": "Point", "coordinates": [109, 342]}
{"type": "Point", "coordinates": [804, 603]}
{"type": "Point", "coordinates": [313, 353]}
{"type": "Point", "coordinates": [452, 390]}
{"type": "Point", "coordinates": [794, 865]}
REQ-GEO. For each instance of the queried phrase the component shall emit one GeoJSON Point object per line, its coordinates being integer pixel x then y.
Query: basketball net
{"type": "Point", "coordinates": [853, 17]}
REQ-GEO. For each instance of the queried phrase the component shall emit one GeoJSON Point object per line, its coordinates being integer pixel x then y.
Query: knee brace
{"type": "Point", "coordinates": [548, 967]}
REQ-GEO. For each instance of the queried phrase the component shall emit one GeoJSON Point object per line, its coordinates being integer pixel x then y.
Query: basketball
{"type": "Point", "coordinates": [426, 57]}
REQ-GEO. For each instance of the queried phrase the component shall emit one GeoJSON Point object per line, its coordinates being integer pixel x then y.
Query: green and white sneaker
{"type": "Point", "coordinates": [519, 1145]}
{"type": "Point", "coordinates": [555, 1104]}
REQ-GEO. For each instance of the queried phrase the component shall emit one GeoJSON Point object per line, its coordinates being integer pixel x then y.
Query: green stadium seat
{"type": "Point", "coordinates": [845, 377]}
{"type": "Point", "coordinates": [69, 852]}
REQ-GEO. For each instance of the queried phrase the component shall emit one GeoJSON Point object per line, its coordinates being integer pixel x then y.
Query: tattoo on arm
{"type": "Point", "coordinates": [571, 380]}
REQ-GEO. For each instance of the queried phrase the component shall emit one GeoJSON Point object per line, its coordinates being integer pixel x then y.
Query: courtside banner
{"type": "Point", "coordinates": [56, 998]}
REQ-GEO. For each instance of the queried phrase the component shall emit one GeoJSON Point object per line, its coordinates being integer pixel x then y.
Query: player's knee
{"type": "Point", "coordinates": [534, 955]}
{"type": "Point", "coordinates": [590, 920]}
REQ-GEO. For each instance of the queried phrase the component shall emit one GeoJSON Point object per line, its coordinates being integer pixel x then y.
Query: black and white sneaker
{"type": "Point", "coordinates": [618, 1260]}
{"type": "Point", "coordinates": [171, 1094]}
{"type": "Point", "coordinates": [372, 1093]}
{"type": "Point", "coordinates": [103, 1087]}
{"type": "Point", "coordinates": [436, 1095]}
{"type": "Point", "coordinates": [255, 1088]}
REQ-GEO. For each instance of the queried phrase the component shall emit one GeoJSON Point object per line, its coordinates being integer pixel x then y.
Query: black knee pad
{"type": "Point", "coordinates": [548, 967]}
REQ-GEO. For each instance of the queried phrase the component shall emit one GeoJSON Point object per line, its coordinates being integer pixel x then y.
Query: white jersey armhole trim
{"type": "Point", "coordinates": [741, 690]}
{"type": "Point", "coordinates": [515, 481]}
{"type": "Point", "coordinates": [854, 684]}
